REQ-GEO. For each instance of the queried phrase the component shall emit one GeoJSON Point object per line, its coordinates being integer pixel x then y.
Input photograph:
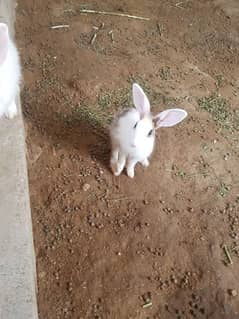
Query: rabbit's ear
{"type": "Point", "coordinates": [141, 101]}
{"type": "Point", "coordinates": [4, 39]}
{"type": "Point", "coordinates": [169, 117]}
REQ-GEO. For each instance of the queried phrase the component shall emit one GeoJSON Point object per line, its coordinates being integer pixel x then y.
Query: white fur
{"type": "Point", "coordinates": [131, 142]}
{"type": "Point", "coordinates": [140, 100]}
{"type": "Point", "coordinates": [9, 80]}
{"type": "Point", "coordinates": [170, 117]}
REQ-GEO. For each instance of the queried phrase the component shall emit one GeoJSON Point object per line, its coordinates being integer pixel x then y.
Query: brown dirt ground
{"type": "Point", "coordinates": [108, 251]}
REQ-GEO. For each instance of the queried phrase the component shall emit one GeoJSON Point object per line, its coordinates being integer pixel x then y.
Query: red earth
{"type": "Point", "coordinates": [153, 246]}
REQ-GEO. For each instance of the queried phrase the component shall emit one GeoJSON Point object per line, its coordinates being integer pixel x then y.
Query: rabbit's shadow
{"type": "Point", "coordinates": [72, 133]}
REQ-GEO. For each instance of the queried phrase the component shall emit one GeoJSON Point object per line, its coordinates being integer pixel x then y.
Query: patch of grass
{"type": "Point", "coordinates": [224, 189]}
{"type": "Point", "coordinates": [160, 29]}
{"type": "Point", "coordinates": [92, 116]}
{"type": "Point", "coordinates": [104, 101]}
{"type": "Point", "coordinates": [205, 147]}
{"type": "Point", "coordinates": [101, 114]}
{"type": "Point", "coordinates": [218, 107]}
{"type": "Point", "coordinates": [170, 101]}
{"type": "Point", "coordinates": [181, 174]}
{"type": "Point", "coordinates": [114, 100]}
{"type": "Point", "coordinates": [111, 101]}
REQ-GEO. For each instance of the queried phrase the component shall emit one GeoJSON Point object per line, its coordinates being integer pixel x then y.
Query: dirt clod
{"type": "Point", "coordinates": [86, 187]}
{"type": "Point", "coordinates": [233, 292]}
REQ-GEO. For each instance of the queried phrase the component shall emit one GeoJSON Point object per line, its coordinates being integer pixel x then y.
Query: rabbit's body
{"type": "Point", "coordinates": [126, 144]}
{"type": "Point", "coordinates": [123, 135]}
{"type": "Point", "coordinates": [133, 133]}
{"type": "Point", "coordinates": [9, 74]}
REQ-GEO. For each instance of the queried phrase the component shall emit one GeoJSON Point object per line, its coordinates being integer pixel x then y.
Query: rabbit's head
{"type": "Point", "coordinates": [146, 123]}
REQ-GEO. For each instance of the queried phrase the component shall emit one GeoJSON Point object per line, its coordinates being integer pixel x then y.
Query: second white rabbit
{"type": "Point", "coordinates": [9, 73]}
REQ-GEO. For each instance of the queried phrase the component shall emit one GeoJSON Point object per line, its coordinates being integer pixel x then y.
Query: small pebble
{"type": "Point", "coordinates": [42, 274]}
{"type": "Point", "coordinates": [233, 292]}
{"type": "Point", "coordinates": [86, 187]}
{"type": "Point", "coordinates": [226, 157]}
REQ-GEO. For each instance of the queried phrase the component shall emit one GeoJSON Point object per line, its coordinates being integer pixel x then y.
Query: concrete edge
{"type": "Point", "coordinates": [18, 284]}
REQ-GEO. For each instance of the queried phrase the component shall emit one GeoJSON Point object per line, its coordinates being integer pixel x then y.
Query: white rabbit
{"type": "Point", "coordinates": [132, 132]}
{"type": "Point", "coordinates": [9, 73]}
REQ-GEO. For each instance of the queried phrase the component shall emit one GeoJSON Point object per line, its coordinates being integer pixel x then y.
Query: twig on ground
{"type": "Point", "coordinates": [69, 10]}
{"type": "Point", "coordinates": [111, 35]}
{"type": "Point", "coordinates": [60, 26]}
{"type": "Point", "coordinates": [104, 195]}
{"type": "Point", "coordinates": [101, 26]}
{"type": "Point", "coordinates": [113, 14]}
{"type": "Point", "coordinates": [179, 4]}
{"type": "Point", "coordinates": [93, 38]}
{"type": "Point", "coordinates": [227, 254]}
{"type": "Point", "coordinates": [118, 199]}
{"type": "Point", "coordinates": [148, 304]}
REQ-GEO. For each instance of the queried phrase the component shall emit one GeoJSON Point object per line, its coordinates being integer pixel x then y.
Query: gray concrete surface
{"type": "Point", "coordinates": [17, 258]}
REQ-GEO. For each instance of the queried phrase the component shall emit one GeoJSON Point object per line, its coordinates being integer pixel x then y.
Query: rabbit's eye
{"type": "Point", "coordinates": [135, 124]}
{"type": "Point", "coordinates": [150, 133]}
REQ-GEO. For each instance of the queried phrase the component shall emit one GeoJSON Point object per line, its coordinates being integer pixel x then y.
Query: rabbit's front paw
{"type": "Point", "coordinates": [145, 162]}
{"type": "Point", "coordinates": [130, 172]}
{"type": "Point", "coordinates": [117, 168]}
